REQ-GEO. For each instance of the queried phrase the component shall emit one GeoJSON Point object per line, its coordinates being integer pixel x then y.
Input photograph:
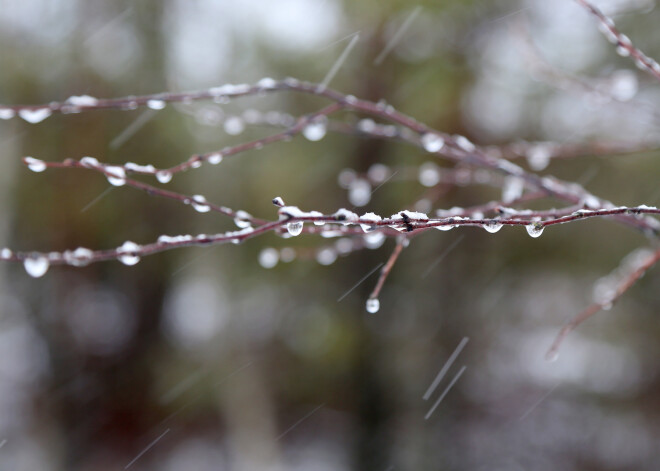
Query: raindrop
{"type": "Point", "coordinates": [378, 173]}
{"type": "Point", "coordinates": [624, 85]}
{"type": "Point", "coordinates": [512, 189]}
{"type": "Point", "coordinates": [374, 240]}
{"type": "Point", "coordinates": [215, 158]}
{"type": "Point", "coordinates": [535, 230]}
{"type": "Point", "coordinates": [35, 165]}
{"type": "Point", "coordinates": [199, 204]}
{"type": "Point", "coordinates": [242, 219]}
{"type": "Point", "coordinates": [317, 214]}
{"type": "Point", "coordinates": [267, 83]}
{"type": "Point", "coordinates": [163, 176]}
{"type": "Point", "coordinates": [234, 125]}
{"type": "Point", "coordinates": [35, 116]}
{"type": "Point", "coordinates": [326, 256]}
{"type": "Point", "coordinates": [127, 253]}
{"type": "Point", "coordinates": [36, 266]}
{"type": "Point", "coordinates": [429, 174]}
{"type": "Point", "coordinates": [7, 113]}
{"type": "Point", "coordinates": [89, 162]}
{"type": "Point", "coordinates": [538, 156]}
{"type": "Point", "coordinates": [315, 131]}
{"type": "Point", "coordinates": [294, 228]}
{"type": "Point", "coordinates": [118, 177]}
{"type": "Point", "coordinates": [359, 192]}
{"type": "Point", "coordinates": [80, 257]}
{"type": "Point", "coordinates": [492, 227]}
{"type": "Point", "coordinates": [432, 142]}
{"type": "Point", "coordinates": [446, 227]}
{"type": "Point", "coordinates": [268, 257]}
{"type": "Point", "coordinates": [373, 305]}
{"type": "Point", "coordinates": [156, 104]}
{"type": "Point", "coordinates": [464, 143]}
{"type": "Point", "coordinates": [278, 201]}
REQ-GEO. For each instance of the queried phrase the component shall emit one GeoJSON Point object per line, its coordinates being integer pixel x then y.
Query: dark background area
{"type": "Point", "coordinates": [220, 363]}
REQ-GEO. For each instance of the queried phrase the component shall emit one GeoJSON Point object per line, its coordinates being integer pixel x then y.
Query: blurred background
{"type": "Point", "coordinates": [205, 359]}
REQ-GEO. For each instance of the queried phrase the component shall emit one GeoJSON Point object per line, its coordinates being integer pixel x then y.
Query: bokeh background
{"type": "Point", "coordinates": [202, 359]}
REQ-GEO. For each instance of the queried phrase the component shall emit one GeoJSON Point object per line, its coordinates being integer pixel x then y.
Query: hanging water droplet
{"type": "Point", "coordinates": [535, 230]}
{"type": "Point", "coordinates": [373, 305]}
{"type": "Point", "coordinates": [200, 205]}
{"type": "Point", "coordinates": [359, 192]}
{"type": "Point", "coordinates": [317, 214]}
{"type": "Point", "coordinates": [215, 158]}
{"type": "Point", "coordinates": [446, 227]}
{"type": "Point", "coordinates": [294, 228]}
{"type": "Point", "coordinates": [156, 104]}
{"type": "Point", "coordinates": [80, 257]}
{"type": "Point", "coordinates": [35, 165]}
{"type": "Point", "coordinates": [35, 116]}
{"type": "Point", "coordinates": [163, 176]}
{"type": "Point", "coordinates": [432, 142]}
{"type": "Point", "coordinates": [268, 257]}
{"type": "Point", "coordinates": [492, 227]}
{"type": "Point", "coordinates": [7, 113]}
{"type": "Point", "coordinates": [374, 240]}
{"type": "Point", "coordinates": [315, 131]}
{"type": "Point", "coordinates": [234, 125]}
{"type": "Point", "coordinates": [36, 266]}
{"type": "Point", "coordinates": [117, 177]}
{"type": "Point", "coordinates": [127, 253]}
{"type": "Point", "coordinates": [242, 219]}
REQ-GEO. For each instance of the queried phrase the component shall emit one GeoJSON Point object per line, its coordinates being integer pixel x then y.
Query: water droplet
{"type": "Point", "coordinates": [268, 257]}
{"type": "Point", "coordinates": [432, 142]}
{"type": "Point", "coordinates": [624, 85]}
{"type": "Point", "coordinates": [429, 174]}
{"type": "Point", "coordinates": [446, 227]}
{"type": "Point", "coordinates": [492, 227]}
{"type": "Point", "coordinates": [163, 176]}
{"type": "Point", "coordinates": [35, 165]}
{"type": "Point", "coordinates": [538, 156]}
{"type": "Point", "coordinates": [373, 305]}
{"type": "Point", "coordinates": [156, 104]}
{"type": "Point", "coordinates": [215, 158]}
{"type": "Point", "coordinates": [200, 205]}
{"type": "Point", "coordinates": [36, 266]}
{"type": "Point", "coordinates": [464, 143]}
{"type": "Point", "coordinates": [242, 219]}
{"type": "Point", "coordinates": [378, 173]}
{"type": "Point", "coordinates": [127, 253]}
{"type": "Point", "coordinates": [359, 192]}
{"type": "Point", "coordinates": [234, 125]}
{"type": "Point", "coordinates": [374, 240]}
{"type": "Point", "coordinates": [7, 113]}
{"type": "Point", "coordinates": [89, 162]}
{"type": "Point", "coordinates": [80, 257]}
{"type": "Point", "coordinates": [278, 201]}
{"type": "Point", "coordinates": [267, 83]}
{"type": "Point", "coordinates": [294, 228]}
{"type": "Point", "coordinates": [326, 256]}
{"type": "Point", "coordinates": [35, 116]}
{"type": "Point", "coordinates": [117, 177]}
{"type": "Point", "coordinates": [287, 254]}
{"type": "Point", "coordinates": [512, 189]}
{"type": "Point", "coordinates": [315, 131]}
{"type": "Point", "coordinates": [535, 230]}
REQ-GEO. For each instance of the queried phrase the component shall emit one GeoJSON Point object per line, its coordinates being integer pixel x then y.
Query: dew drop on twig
{"type": "Point", "coordinates": [315, 131]}
{"type": "Point", "coordinates": [35, 116]}
{"type": "Point", "coordinates": [294, 228]}
{"type": "Point", "coordinates": [373, 305]}
{"type": "Point", "coordinates": [164, 176]}
{"type": "Point", "coordinates": [432, 142]}
{"type": "Point", "coordinates": [535, 230]}
{"type": "Point", "coordinates": [35, 165]}
{"type": "Point", "coordinates": [36, 266]}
